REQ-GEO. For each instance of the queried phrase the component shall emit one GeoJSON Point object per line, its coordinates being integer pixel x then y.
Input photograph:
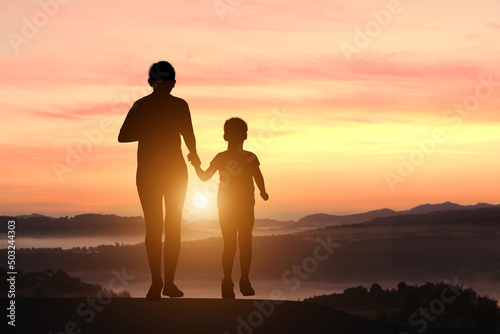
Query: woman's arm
{"type": "Point", "coordinates": [190, 141]}
{"type": "Point", "coordinates": [129, 130]}
{"type": "Point", "coordinates": [189, 138]}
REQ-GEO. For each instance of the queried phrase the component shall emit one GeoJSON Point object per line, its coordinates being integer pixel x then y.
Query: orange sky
{"type": "Point", "coordinates": [336, 131]}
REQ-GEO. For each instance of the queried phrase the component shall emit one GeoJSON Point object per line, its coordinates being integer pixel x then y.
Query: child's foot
{"type": "Point", "coordinates": [227, 289]}
{"type": "Point", "coordinates": [154, 291]}
{"type": "Point", "coordinates": [246, 287]}
{"type": "Point", "coordinates": [172, 291]}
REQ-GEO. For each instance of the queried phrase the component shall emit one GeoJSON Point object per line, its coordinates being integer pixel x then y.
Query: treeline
{"type": "Point", "coordinates": [416, 258]}
{"type": "Point", "coordinates": [54, 284]}
{"type": "Point", "coordinates": [484, 221]}
{"type": "Point", "coordinates": [86, 224]}
{"type": "Point", "coordinates": [102, 225]}
{"type": "Point", "coordinates": [429, 305]}
{"type": "Point", "coordinates": [482, 216]}
{"type": "Point", "coordinates": [470, 224]}
{"type": "Point", "coordinates": [197, 258]}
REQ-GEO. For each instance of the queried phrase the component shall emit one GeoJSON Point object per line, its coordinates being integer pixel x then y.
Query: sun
{"type": "Point", "coordinates": [200, 201]}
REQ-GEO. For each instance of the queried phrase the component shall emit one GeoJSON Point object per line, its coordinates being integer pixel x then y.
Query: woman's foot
{"type": "Point", "coordinates": [246, 287]}
{"type": "Point", "coordinates": [154, 291]}
{"type": "Point", "coordinates": [172, 291]}
{"type": "Point", "coordinates": [227, 289]}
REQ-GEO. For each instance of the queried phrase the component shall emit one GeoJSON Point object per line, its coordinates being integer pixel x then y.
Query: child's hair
{"type": "Point", "coordinates": [161, 71]}
{"type": "Point", "coordinates": [235, 129]}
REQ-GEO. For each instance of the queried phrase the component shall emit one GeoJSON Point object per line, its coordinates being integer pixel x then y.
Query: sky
{"type": "Point", "coordinates": [351, 106]}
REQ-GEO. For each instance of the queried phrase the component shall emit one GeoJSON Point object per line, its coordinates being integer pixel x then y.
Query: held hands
{"type": "Point", "coordinates": [194, 159]}
{"type": "Point", "coordinates": [264, 196]}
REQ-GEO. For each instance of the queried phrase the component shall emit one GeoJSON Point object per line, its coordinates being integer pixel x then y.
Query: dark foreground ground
{"type": "Point", "coordinates": [133, 315]}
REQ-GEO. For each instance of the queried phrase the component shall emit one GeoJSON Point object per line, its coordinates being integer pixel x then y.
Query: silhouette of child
{"type": "Point", "coordinates": [235, 200]}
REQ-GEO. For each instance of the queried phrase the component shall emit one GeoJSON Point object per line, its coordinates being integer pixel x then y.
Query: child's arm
{"type": "Point", "coordinates": [259, 180]}
{"type": "Point", "coordinates": [204, 175]}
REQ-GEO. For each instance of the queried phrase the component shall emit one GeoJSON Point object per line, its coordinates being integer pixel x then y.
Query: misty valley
{"type": "Point", "coordinates": [291, 260]}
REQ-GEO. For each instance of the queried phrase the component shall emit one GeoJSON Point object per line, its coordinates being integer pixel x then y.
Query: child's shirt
{"type": "Point", "coordinates": [236, 170]}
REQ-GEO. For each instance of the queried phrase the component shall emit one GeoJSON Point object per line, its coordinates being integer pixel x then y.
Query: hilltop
{"type": "Point", "coordinates": [133, 315]}
{"type": "Point", "coordinates": [92, 224]}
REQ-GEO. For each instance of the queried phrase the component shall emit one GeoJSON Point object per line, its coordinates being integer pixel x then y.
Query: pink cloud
{"type": "Point", "coordinates": [494, 25]}
{"type": "Point", "coordinates": [249, 71]}
{"type": "Point", "coordinates": [71, 113]}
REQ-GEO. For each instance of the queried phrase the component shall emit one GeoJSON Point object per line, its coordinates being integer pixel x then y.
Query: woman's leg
{"type": "Point", "coordinates": [175, 194]}
{"type": "Point", "coordinates": [151, 202]}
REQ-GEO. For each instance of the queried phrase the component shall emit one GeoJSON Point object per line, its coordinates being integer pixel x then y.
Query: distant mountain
{"type": "Point", "coordinates": [333, 220]}
{"type": "Point", "coordinates": [324, 219]}
{"type": "Point", "coordinates": [447, 206]}
{"type": "Point", "coordinates": [479, 216]}
{"type": "Point", "coordinates": [33, 215]}
{"type": "Point", "coordinates": [481, 222]}
{"type": "Point", "coordinates": [97, 224]}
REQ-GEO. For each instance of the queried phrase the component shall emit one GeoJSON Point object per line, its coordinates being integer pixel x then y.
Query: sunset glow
{"type": "Point", "coordinates": [410, 117]}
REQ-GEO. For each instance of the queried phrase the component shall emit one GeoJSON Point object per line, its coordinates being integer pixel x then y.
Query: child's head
{"type": "Point", "coordinates": [235, 129]}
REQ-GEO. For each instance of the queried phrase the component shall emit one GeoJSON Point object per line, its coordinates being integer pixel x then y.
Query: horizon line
{"type": "Point", "coordinates": [215, 218]}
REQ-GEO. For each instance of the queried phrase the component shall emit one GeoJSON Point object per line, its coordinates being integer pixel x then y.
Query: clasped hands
{"type": "Point", "coordinates": [194, 159]}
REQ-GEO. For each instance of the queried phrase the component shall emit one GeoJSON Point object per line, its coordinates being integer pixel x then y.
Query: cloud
{"type": "Point", "coordinates": [494, 25]}
{"type": "Point", "coordinates": [79, 112]}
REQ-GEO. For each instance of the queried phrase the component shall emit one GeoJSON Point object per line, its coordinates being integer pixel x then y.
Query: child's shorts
{"type": "Point", "coordinates": [236, 216]}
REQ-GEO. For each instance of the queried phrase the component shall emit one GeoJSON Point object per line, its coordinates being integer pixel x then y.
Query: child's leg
{"type": "Point", "coordinates": [229, 236]}
{"type": "Point", "coordinates": [245, 242]}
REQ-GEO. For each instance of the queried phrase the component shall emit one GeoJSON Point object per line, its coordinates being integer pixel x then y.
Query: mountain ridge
{"type": "Point", "coordinates": [422, 208]}
{"type": "Point", "coordinates": [381, 213]}
{"type": "Point", "coordinates": [109, 224]}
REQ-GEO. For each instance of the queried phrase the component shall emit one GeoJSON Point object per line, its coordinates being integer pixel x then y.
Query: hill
{"type": "Point", "coordinates": [412, 248]}
{"type": "Point", "coordinates": [448, 305]}
{"type": "Point", "coordinates": [180, 316]}
{"type": "Point", "coordinates": [53, 284]}
{"type": "Point", "coordinates": [40, 226]}
{"type": "Point", "coordinates": [326, 219]}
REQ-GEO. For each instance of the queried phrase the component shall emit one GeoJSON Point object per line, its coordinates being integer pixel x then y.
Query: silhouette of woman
{"type": "Point", "coordinates": [156, 121]}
